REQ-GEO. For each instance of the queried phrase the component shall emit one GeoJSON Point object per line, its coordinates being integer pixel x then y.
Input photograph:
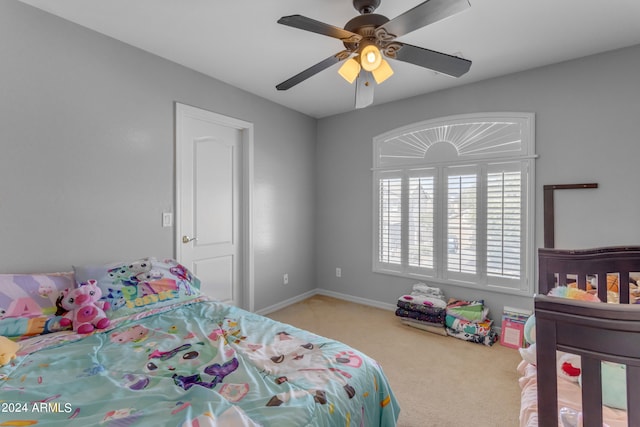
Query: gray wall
{"type": "Point", "coordinates": [587, 114]}
{"type": "Point", "coordinates": [86, 160]}
{"type": "Point", "coordinates": [87, 155]}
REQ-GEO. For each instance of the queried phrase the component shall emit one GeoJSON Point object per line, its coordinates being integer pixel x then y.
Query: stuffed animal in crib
{"type": "Point", "coordinates": [529, 353]}
{"type": "Point", "coordinates": [568, 364]}
{"type": "Point", "coordinates": [8, 350]}
{"type": "Point", "coordinates": [85, 310]}
{"type": "Point", "coordinates": [573, 293]}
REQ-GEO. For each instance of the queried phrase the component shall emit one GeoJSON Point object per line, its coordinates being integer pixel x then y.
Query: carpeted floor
{"type": "Point", "coordinates": [439, 381]}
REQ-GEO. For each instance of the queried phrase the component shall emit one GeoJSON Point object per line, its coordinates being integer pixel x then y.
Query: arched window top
{"type": "Point", "coordinates": [457, 138]}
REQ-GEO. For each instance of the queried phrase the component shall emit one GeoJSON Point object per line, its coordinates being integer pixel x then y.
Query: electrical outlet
{"type": "Point", "coordinates": [285, 279]}
{"type": "Point", "coordinates": [338, 272]}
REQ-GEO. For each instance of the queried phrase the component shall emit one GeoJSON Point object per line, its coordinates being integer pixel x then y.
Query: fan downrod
{"type": "Point", "coordinates": [366, 6]}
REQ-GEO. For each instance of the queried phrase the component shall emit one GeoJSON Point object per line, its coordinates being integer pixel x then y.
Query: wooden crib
{"type": "Point", "coordinates": [595, 331]}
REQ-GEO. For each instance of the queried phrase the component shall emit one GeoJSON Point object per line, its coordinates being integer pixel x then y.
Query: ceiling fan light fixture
{"type": "Point", "coordinates": [383, 72]}
{"type": "Point", "coordinates": [370, 57]}
{"type": "Point", "coordinates": [349, 70]}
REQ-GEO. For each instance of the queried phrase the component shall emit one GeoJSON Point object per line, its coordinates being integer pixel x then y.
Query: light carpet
{"type": "Point", "coordinates": [438, 380]}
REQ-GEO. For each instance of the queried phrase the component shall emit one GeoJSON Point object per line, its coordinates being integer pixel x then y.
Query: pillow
{"type": "Point", "coordinates": [136, 286]}
{"type": "Point", "coordinates": [614, 385]}
{"type": "Point", "coordinates": [28, 303]}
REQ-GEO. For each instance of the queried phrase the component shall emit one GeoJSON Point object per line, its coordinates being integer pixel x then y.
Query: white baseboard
{"type": "Point", "coordinates": [286, 303]}
{"type": "Point", "coordinates": [359, 300]}
{"type": "Point", "coordinates": [319, 291]}
{"type": "Point", "coordinates": [338, 295]}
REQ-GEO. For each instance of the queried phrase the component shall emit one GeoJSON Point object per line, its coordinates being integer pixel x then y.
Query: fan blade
{"type": "Point", "coordinates": [308, 24]}
{"type": "Point", "coordinates": [424, 14]}
{"type": "Point", "coordinates": [436, 61]}
{"type": "Point", "coordinates": [364, 89]}
{"type": "Point", "coordinates": [313, 70]}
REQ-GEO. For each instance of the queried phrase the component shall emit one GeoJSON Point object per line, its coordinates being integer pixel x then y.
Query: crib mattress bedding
{"type": "Point", "coordinates": [569, 398]}
{"type": "Point", "coordinates": [194, 363]}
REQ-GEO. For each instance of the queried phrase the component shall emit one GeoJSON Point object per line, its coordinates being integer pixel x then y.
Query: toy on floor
{"type": "Point", "coordinates": [8, 350]}
{"type": "Point", "coordinates": [85, 310]}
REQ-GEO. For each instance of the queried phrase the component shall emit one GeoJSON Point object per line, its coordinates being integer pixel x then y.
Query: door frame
{"type": "Point", "coordinates": [246, 200]}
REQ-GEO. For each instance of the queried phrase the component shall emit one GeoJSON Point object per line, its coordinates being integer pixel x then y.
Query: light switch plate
{"type": "Point", "coordinates": [167, 219]}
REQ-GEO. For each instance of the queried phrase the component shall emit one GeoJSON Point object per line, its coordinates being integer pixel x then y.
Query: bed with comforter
{"type": "Point", "coordinates": [187, 360]}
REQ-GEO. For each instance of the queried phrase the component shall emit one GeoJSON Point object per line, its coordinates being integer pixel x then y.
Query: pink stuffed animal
{"type": "Point", "coordinates": [85, 311]}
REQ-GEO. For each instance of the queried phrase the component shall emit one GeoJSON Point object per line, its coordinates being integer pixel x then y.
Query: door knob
{"type": "Point", "coordinates": [187, 239]}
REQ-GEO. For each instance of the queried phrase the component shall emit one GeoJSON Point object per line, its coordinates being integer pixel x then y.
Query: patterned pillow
{"type": "Point", "coordinates": [135, 286]}
{"type": "Point", "coordinates": [28, 303]}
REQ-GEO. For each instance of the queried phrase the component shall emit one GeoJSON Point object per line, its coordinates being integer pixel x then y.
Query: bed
{"type": "Point", "coordinates": [173, 357]}
{"type": "Point", "coordinates": [605, 337]}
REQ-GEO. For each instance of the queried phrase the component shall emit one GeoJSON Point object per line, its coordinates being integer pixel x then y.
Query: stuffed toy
{"type": "Point", "coordinates": [85, 310]}
{"type": "Point", "coordinates": [573, 293]}
{"type": "Point", "coordinates": [529, 353]}
{"type": "Point", "coordinates": [568, 364]}
{"type": "Point", "coordinates": [8, 350]}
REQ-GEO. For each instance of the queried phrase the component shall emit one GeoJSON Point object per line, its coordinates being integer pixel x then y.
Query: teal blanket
{"type": "Point", "coordinates": [200, 363]}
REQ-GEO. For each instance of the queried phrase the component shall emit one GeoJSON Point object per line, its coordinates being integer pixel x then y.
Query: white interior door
{"type": "Point", "coordinates": [209, 188]}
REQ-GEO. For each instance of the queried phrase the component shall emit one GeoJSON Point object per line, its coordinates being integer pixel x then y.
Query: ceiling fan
{"type": "Point", "coordinates": [370, 36]}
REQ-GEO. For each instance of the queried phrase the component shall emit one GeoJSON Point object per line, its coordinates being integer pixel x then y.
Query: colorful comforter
{"type": "Point", "coordinates": [200, 363]}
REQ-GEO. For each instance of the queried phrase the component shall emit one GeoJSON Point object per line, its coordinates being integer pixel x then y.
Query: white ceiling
{"type": "Point", "coordinates": [240, 42]}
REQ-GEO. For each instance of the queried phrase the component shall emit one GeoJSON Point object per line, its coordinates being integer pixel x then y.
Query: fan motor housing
{"type": "Point", "coordinates": [365, 26]}
{"type": "Point", "coordinates": [366, 6]}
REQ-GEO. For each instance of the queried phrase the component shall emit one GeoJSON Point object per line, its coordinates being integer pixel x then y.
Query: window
{"type": "Point", "coordinates": [454, 201]}
{"type": "Point", "coordinates": [390, 220]}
